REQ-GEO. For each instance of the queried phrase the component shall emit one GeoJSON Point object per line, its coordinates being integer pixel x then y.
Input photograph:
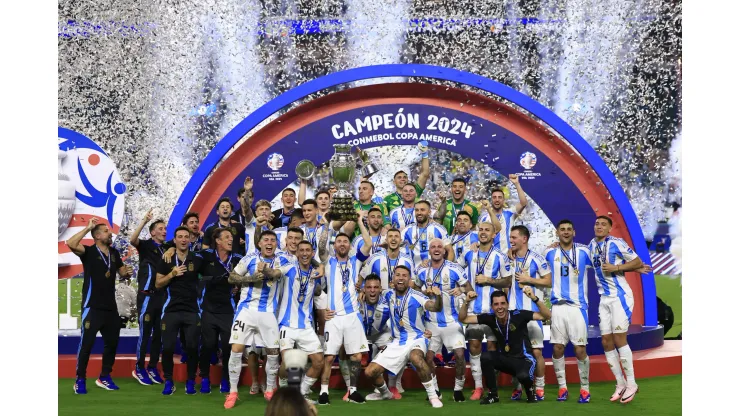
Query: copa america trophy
{"type": "Point", "coordinates": [342, 169]}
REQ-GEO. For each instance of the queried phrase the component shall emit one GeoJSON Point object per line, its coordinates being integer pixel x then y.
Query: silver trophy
{"type": "Point", "coordinates": [342, 169]}
{"type": "Point", "coordinates": [368, 167]}
{"type": "Point", "coordinates": [305, 169]}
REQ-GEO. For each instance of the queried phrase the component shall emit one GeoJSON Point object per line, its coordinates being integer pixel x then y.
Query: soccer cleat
{"type": "Point", "coordinates": [256, 389]}
{"type": "Point", "coordinates": [356, 397]}
{"type": "Point", "coordinates": [323, 399]}
{"type": "Point", "coordinates": [231, 400]}
{"type": "Point", "coordinates": [399, 386]}
{"type": "Point", "coordinates": [584, 397]}
{"type": "Point", "coordinates": [154, 375]}
{"type": "Point", "coordinates": [169, 388]}
{"type": "Point", "coordinates": [516, 394]}
{"type": "Point", "coordinates": [629, 394]}
{"type": "Point", "coordinates": [539, 395]}
{"type": "Point", "coordinates": [106, 382]}
{"type": "Point", "coordinates": [436, 403]}
{"type": "Point", "coordinates": [477, 394]}
{"type": "Point", "coordinates": [531, 397]}
{"type": "Point", "coordinates": [346, 396]}
{"type": "Point", "coordinates": [395, 392]}
{"type": "Point", "coordinates": [190, 387]}
{"type": "Point", "coordinates": [374, 397]}
{"type": "Point", "coordinates": [439, 360]}
{"type": "Point", "coordinates": [225, 387]}
{"type": "Point", "coordinates": [562, 394]}
{"type": "Point", "coordinates": [142, 377]}
{"type": "Point", "coordinates": [80, 386]}
{"type": "Point", "coordinates": [490, 399]}
{"type": "Point", "coordinates": [268, 395]}
{"type": "Point", "coordinates": [205, 386]}
{"type": "Point", "coordinates": [618, 393]}
{"type": "Point", "coordinates": [458, 396]}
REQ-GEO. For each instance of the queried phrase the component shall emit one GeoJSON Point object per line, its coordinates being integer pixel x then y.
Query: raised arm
{"type": "Point", "coordinates": [135, 235]}
{"type": "Point", "coordinates": [544, 313]}
{"type": "Point", "coordinates": [425, 166]}
{"type": "Point", "coordinates": [365, 249]}
{"type": "Point", "coordinates": [74, 242]}
{"type": "Point", "coordinates": [520, 192]}
{"type": "Point", "coordinates": [462, 313]}
{"type": "Point", "coordinates": [439, 216]}
{"type": "Point", "coordinates": [434, 305]}
{"type": "Point", "coordinates": [323, 241]}
{"type": "Point", "coordinates": [248, 198]}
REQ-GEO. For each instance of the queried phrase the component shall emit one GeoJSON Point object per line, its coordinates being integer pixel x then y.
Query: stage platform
{"type": "Point", "coordinates": [661, 361]}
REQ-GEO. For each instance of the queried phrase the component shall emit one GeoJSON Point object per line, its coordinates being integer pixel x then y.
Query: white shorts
{"type": "Point", "coordinates": [615, 314]}
{"type": "Point", "coordinates": [381, 339]}
{"type": "Point", "coordinates": [254, 344]}
{"type": "Point", "coordinates": [305, 339]}
{"type": "Point", "coordinates": [536, 336]}
{"type": "Point", "coordinates": [568, 325]}
{"type": "Point", "coordinates": [345, 330]}
{"type": "Point", "coordinates": [321, 301]}
{"type": "Point", "coordinates": [451, 336]}
{"type": "Point", "coordinates": [395, 356]}
{"type": "Point", "coordinates": [249, 323]}
{"type": "Point", "coordinates": [478, 331]}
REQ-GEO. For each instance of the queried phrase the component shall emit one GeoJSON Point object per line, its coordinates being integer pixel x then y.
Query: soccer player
{"type": "Point", "coordinates": [611, 258]}
{"type": "Point", "coordinates": [296, 221]}
{"type": "Point", "coordinates": [375, 227]}
{"type": "Point", "coordinates": [260, 221]}
{"type": "Point", "coordinates": [343, 326]}
{"type": "Point", "coordinates": [100, 263]}
{"type": "Point", "coordinates": [401, 179]}
{"type": "Point", "coordinates": [374, 320]}
{"type": "Point", "coordinates": [446, 330]}
{"type": "Point", "coordinates": [366, 201]}
{"type": "Point", "coordinates": [149, 301]}
{"type": "Point", "coordinates": [505, 217]}
{"type": "Point", "coordinates": [447, 212]}
{"type": "Point", "coordinates": [323, 201]}
{"type": "Point", "coordinates": [463, 238]}
{"type": "Point", "coordinates": [514, 354]}
{"type": "Point", "coordinates": [282, 217]}
{"type": "Point", "coordinates": [217, 306]}
{"type": "Point", "coordinates": [383, 262]}
{"type": "Point", "coordinates": [295, 318]}
{"type": "Point", "coordinates": [569, 298]}
{"type": "Point", "coordinates": [224, 208]}
{"type": "Point", "coordinates": [259, 275]}
{"type": "Point", "coordinates": [245, 196]}
{"type": "Point", "coordinates": [311, 227]}
{"type": "Point", "coordinates": [487, 270]}
{"type": "Point", "coordinates": [404, 215]}
{"type": "Point", "coordinates": [417, 236]}
{"type": "Point", "coordinates": [530, 269]}
{"type": "Point", "coordinates": [406, 308]}
{"type": "Point", "coordinates": [179, 275]}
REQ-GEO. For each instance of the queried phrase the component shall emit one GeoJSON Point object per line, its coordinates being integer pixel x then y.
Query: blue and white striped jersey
{"type": "Point", "coordinates": [614, 251]}
{"type": "Point", "coordinates": [358, 242]}
{"type": "Point", "coordinates": [380, 264]}
{"type": "Point", "coordinates": [417, 240]}
{"type": "Point", "coordinates": [296, 303]}
{"type": "Point", "coordinates": [569, 278]}
{"type": "Point", "coordinates": [536, 266]}
{"type": "Point", "coordinates": [403, 217]}
{"type": "Point", "coordinates": [493, 264]}
{"type": "Point", "coordinates": [339, 280]}
{"type": "Point", "coordinates": [462, 243]}
{"type": "Point", "coordinates": [260, 296]}
{"type": "Point", "coordinates": [406, 314]}
{"type": "Point", "coordinates": [506, 218]}
{"type": "Point", "coordinates": [447, 277]}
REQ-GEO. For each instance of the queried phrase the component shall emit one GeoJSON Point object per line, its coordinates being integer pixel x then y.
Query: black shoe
{"type": "Point", "coordinates": [324, 398]}
{"type": "Point", "coordinates": [458, 396]}
{"type": "Point", "coordinates": [491, 398]}
{"type": "Point", "coordinates": [530, 395]}
{"type": "Point", "coordinates": [356, 397]}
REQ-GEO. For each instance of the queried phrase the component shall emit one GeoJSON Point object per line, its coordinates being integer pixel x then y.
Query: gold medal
{"type": "Point", "coordinates": [400, 322]}
{"type": "Point", "coordinates": [107, 274]}
{"type": "Point", "coordinates": [575, 270]}
{"type": "Point", "coordinates": [506, 348]}
{"type": "Point", "coordinates": [301, 298]}
{"type": "Point", "coordinates": [344, 288]}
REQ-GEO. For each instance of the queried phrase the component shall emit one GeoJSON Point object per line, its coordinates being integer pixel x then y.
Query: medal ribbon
{"type": "Point", "coordinates": [461, 238]}
{"type": "Point", "coordinates": [345, 273]}
{"type": "Point", "coordinates": [571, 262]}
{"type": "Point", "coordinates": [226, 266]}
{"type": "Point", "coordinates": [107, 263]}
{"type": "Point", "coordinates": [312, 237]}
{"type": "Point", "coordinates": [482, 267]}
{"type": "Point", "coordinates": [304, 285]}
{"type": "Point", "coordinates": [602, 253]}
{"type": "Point", "coordinates": [521, 266]}
{"type": "Point", "coordinates": [435, 276]}
{"type": "Point", "coordinates": [508, 316]}
{"type": "Point", "coordinates": [375, 244]}
{"type": "Point", "coordinates": [407, 220]}
{"type": "Point", "coordinates": [264, 260]}
{"type": "Point", "coordinates": [400, 307]}
{"type": "Point", "coordinates": [419, 233]}
{"type": "Point", "coordinates": [390, 266]}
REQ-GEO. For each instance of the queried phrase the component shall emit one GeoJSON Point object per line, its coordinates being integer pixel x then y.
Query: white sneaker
{"type": "Point", "coordinates": [618, 393]}
{"type": "Point", "coordinates": [374, 397]}
{"type": "Point", "coordinates": [629, 394]}
{"type": "Point", "coordinates": [436, 403]}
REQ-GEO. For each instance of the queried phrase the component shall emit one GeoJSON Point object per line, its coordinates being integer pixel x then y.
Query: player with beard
{"type": "Point", "coordinates": [406, 308]}
{"type": "Point", "coordinates": [611, 258]}
{"type": "Point", "coordinates": [224, 208]}
{"type": "Point", "coordinates": [191, 220]}
{"type": "Point", "coordinates": [375, 228]}
{"type": "Point", "coordinates": [365, 202]}
{"type": "Point", "coordinates": [282, 217]}
{"type": "Point", "coordinates": [417, 235]}
{"type": "Point", "coordinates": [506, 216]}
{"type": "Point", "coordinates": [259, 275]}
{"type": "Point", "coordinates": [448, 209]}
{"type": "Point", "coordinates": [245, 196]}
{"type": "Point", "coordinates": [149, 301]}
{"type": "Point", "coordinates": [530, 270]}
{"type": "Point", "coordinates": [451, 280]}
{"type": "Point", "coordinates": [217, 306]}
{"type": "Point", "coordinates": [569, 298]}
{"type": "Point", "coordinates": [343, 326]}
{"type": "Point", "coordinates": [404, 215]}
{"type": "Point", "coordinates": [401, 179]}
{"type": "Point", "coordinates": [383, 262]}
{"type": "Point", "coordinates": [100, 263]}
{"type": "Point", "coordinates": [488, 270]}
{"type": "Point", "coordinates": [179, 276]}
{"type": "Point", "coordinates": [300, 284]}
{"type": "Point", "coordinates": [463, 238]}
{"type": "Point", "coordinates": [510, 327]}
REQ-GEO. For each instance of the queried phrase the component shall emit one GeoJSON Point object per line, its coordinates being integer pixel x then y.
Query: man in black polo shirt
{"type": "Point", "coordinates": [513, 353]}
{"type": "Point", "coordinates": [179, 278]}
{"type": "Point", "coordinates": [100, 263]}
{"type": "Point", "coordinates": [149, 301]}
{"type": "Point", "coordinates": [224, 208]}
{"type": "Point", "coordinates": [217, 306]}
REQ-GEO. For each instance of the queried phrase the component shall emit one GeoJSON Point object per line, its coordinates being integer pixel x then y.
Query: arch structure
{"type": "Point", "coordinates": [559, 169]}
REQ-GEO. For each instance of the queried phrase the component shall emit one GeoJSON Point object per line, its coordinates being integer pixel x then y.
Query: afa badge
{"type": "Point", "coordinates": [147, 318]}
{"type": "Point", "coordinates": [191, 267]}
{"type": "Point", "coordinates": [164, 327]}
{"type": "Point", "coordinates": [87, 324]}
{"type": "Point", "coordinates": [512, 328]}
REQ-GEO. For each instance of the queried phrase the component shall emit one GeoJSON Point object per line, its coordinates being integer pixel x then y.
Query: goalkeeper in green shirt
{"type": "Point", "coordinates": [401, 178]}
{"type": "Point", "coordinates": [447, 212]}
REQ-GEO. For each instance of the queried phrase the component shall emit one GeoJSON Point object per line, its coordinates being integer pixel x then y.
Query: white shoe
{"type": "Point", "coordinates": [618, 393]}
{"type": "Point", "coordinates": [629, 394]}
{"type": "Point", "coordinates": [436, 403]}
{"type": "Point", "coordinates": [399, 386]}
{"type": "Point", "coordinates": [374, 397]}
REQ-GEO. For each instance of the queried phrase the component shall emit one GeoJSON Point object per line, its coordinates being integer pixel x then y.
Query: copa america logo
{"type": "Point", "coordinates": [275, 161]}
{"type": "Point", "coordinates": [89, 185]}
{"type": "Point", "coordinates": [528, 160]}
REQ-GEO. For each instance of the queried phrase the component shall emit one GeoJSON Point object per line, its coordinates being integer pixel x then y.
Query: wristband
{"type": "Point", "coordinates": [425, 155]}
{"type": "Point", "coordinates": [535, 300]}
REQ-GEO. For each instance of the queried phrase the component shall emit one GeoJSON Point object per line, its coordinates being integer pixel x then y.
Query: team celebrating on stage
{"type": "Point", "coordinates": [406, 279]}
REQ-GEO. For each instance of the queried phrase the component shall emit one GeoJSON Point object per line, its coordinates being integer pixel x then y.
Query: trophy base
{"type": "Point", "coordinates": [342, 209]}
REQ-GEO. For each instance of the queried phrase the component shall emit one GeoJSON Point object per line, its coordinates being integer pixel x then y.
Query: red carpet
{"type": "Point", "coordinates": [661, 361]}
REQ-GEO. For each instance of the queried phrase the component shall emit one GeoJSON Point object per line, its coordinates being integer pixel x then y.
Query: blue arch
{"type": "Point", "coordinates": [447, 74]}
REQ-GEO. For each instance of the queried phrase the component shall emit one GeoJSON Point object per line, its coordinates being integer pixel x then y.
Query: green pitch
{"type": "Point", "coordinates": [669, 289]}
{"type": "Point", "coordinates": [657, 396]}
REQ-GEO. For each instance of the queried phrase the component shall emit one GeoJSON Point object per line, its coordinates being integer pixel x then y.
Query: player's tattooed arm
{"type": "Point", "coordinates": [462, 313]}
{"type": "Point", "coordinates": [323, 239]}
